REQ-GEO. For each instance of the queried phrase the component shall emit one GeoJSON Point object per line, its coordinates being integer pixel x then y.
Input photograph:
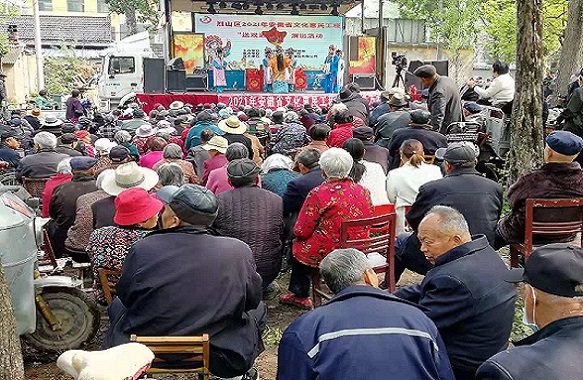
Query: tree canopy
{"type": "Point", "coordinates": [144, 11]}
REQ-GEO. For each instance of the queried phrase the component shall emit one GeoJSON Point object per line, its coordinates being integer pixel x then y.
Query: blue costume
{"type": "Point", "coordinates": [330, 78]}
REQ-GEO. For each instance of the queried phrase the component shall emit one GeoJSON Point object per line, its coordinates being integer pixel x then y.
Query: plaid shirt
{"type": "Point", "coordinates": [107, 131]}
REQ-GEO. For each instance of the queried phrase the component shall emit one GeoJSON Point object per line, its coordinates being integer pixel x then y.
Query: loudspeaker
{"type": "Point", "coordinates": [153, 76]}
{"type": "Point", "coordinates": [176, 81]}
{"type": "Point", "coordinates": [365, 81]}
{"type": "Point", "coordinates": [196, 83]}
{"type": "Point", "coordinates": [176, 64]}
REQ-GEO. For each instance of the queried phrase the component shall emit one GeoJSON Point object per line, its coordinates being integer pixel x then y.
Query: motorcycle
{"type": "Point", "coordinates": [52, 313]}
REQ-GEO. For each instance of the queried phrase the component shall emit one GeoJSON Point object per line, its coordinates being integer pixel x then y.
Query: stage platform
{"type": "Point", "coordinates": [254, 99]}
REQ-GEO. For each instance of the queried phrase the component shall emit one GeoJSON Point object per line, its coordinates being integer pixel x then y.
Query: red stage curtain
{"type": "Point", "coordinates": [301, 80]}
{"type": "Point", "coordinates": [254, 80]}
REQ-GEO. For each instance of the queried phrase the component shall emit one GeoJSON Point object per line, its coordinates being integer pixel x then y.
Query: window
{"type": "Point", "coordinates": [121, 65]}
{"type": "Point", "coordinates": [76, 5]}
{"type": "Point", "coordinates": [102, 6]}
{"type": "Point", "coordinates": [45, 5]}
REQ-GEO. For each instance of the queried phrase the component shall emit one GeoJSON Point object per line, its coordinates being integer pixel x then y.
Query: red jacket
{"type": "Point", "coordinates": [339, 134]}
{"type": "Point", "coordinates": [317, 229]}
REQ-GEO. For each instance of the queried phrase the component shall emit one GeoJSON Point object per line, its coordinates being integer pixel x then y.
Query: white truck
{"type": "Point", "coordinates": [124, 67]}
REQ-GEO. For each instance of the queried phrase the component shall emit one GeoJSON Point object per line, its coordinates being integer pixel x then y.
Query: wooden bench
{"type": "Point", "coordinates": [107, 283]}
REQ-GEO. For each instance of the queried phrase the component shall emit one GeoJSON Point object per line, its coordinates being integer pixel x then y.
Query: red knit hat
{"type": "Point", "coordinates": [133, 206]}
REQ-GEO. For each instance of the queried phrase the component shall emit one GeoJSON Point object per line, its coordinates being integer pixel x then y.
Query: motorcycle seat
{"type": "Point", "coordinates": [127, 361]}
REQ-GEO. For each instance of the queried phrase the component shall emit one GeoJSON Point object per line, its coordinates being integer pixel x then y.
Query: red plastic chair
{"type": "Point", "coordinates": [389, 208]}
{"type": "Point", "coordinates": [548, 217]}
{"type": "Point", "coordinates": [381, 240]}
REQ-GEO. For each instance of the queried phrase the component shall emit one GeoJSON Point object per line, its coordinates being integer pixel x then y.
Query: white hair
{"type": "Point", "coordinates": [45, 140]}
{"type": "Point", "coordinates": [343, 268]}
{"type": "Point", "coordinates": [336, 163]}
{"type": "Point", "coordinates": [451, 221]}
{"type": "Point", "coordinates": [64, 166]}
{"type": "Point", "coordinates": [172, 151]}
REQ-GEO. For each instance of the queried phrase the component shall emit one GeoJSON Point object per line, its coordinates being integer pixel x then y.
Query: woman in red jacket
{"type": "Point", "coordinates": [317, 229]}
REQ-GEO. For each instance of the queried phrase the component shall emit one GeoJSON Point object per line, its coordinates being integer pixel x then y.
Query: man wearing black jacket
{"type": "Point", "coordinates": [183, 281]}
{"type": "Point", "coordinates": [478, 199]}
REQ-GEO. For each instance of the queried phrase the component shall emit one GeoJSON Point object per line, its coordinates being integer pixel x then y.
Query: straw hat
{"type": "Point", "coordinates": [146, 130]}
{"type": "Point", "coordinates": [233, 125]}
{"type": "Point", "coordinates": [176, 105]}
{"type": "Point", "coordinates": [127, 176]}
{"type": "Point", "coordinates": [217, 143]}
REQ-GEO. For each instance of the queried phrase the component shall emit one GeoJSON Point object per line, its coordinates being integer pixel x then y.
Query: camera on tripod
{"type": "Point", "coordinates": [399, 60]}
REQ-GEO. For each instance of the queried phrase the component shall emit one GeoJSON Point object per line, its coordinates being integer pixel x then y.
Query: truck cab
{"type": "Point", "coordinates": [122, 69]}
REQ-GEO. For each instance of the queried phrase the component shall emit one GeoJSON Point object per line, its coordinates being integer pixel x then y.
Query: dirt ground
{"type": "Point", "coordinates": [280, 316]}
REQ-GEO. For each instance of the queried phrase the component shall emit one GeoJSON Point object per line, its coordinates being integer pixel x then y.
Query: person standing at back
{"type": "Point", "coordinates": [73, 104]}
{"type": "Point", "coordinates": [444, 101]}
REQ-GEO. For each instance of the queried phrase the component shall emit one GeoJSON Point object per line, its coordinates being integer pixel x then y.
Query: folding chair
{"type": "Point", "coordinates": [35, 186]}
{"type": "Point", "coordinates": [548, 217]}
{"type": "Point", "coordinates": [195, 349]}
{"type": "Point", "coordinates": [108, 278]}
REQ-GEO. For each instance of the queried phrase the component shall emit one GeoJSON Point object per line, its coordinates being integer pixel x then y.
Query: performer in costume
{"type": "Point", "coordinates": [340, 75]}
{"type": "Point", "coordinates": [280, 66]}
{"type": "Point", "coordinates": [219, 65]}
{"type": "Point", "coordinates": [267, 72]}
{"type": "Point", "coordinates": [331, 70]}
{"type": "Point", "coordinates": [291, 81]}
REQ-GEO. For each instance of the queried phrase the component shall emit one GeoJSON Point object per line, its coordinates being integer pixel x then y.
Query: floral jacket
{"type": "Point", "coordinates": [317, 229]}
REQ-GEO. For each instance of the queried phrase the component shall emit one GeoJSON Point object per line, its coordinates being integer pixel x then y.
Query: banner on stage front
{"type": "Point", "coordinates": [245, 37]}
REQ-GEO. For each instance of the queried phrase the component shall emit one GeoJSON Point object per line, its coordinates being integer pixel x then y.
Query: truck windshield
{"type": "Point", "coordinates": [122, 65]}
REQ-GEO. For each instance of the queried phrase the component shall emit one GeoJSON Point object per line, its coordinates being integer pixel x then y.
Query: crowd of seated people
{"type": "Point", "coordinates": [201, 208]}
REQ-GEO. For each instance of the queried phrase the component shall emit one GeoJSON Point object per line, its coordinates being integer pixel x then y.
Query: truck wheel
{"type": "Point", "coordinates": [79, 319]}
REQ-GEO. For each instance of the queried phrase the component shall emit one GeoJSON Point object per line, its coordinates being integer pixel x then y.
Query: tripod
{"type": "Point", "coordinates": [399, 77]}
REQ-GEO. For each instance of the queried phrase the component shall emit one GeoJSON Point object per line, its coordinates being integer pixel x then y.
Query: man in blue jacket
{"type": "Point", "coordinates": [465, 294]}
{"type": "Point", "coordinates": [553, 303]}
{"type": "Point", "coordinates": [362, 333]}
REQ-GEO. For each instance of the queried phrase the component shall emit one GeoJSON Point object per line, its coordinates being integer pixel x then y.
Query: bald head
{"type": "Point", "coordinates": [441, 230]}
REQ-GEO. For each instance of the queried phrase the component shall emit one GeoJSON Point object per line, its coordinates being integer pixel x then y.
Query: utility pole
{"type": "Point", "coordinates": [40, 71]}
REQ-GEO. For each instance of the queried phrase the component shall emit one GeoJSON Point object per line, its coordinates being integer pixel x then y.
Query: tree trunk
{"type": "Point", "coordinates": [527, 130]}
{"type": "Point", "coordinates": [11, 367]}
{"type": "Point", "coordinates": [131, 20]}
{"type": "Point", "coordinates": [572, 50]}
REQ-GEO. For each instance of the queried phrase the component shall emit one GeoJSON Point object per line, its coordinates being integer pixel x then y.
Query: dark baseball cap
{"type": "Point", "coordinates": [420, 117]}
{"type": "Point", "coordinates": [68, 138]}
{"type": "Point", "coordinates": [554, 268]}
{"type": "Point", "coordinates": [363, 132]}
{"type": "Point", "coordinates": [456, 153]}
{"type": "Point", "coordinates": [7, 133]}
{"type": "Point", "coordinates": [564, 142]}
{"type": "Point", "coordinates": [192, 204]}
{"type": "Point", "coordinates": [118, 153]}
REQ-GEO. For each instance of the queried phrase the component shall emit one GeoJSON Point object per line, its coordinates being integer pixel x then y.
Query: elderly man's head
{"type": "Point", "coordinates": [172, 152]}
{"type": "Point", "coordinates": [347, 267]}
{"type": "Point", "coordinates": [170, 174]}
{"type": "Point", "coordinates": [458, 156]}
{"type": "Point", "coordinates": [336, 163]}
{"type": "Point", "coordinates": [562, 146]}
{"type": "Point", "coordinates": [243, 172]}
{"type": "Point", "coordinates": [188, 205]}
{"type": "Point", "coordinates": [308, 159]}
{"type": "Point", "coordinates": [441, 230]}
{"type": "Point", "coordinates": [554, 283]}
{"type": "Point", "coordinates": [45, 141]}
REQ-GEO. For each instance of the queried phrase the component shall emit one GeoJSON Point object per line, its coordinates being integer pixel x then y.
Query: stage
{"type": "Point", "coordinates": [254, 99]}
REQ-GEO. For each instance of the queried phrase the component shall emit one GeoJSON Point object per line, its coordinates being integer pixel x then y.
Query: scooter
{"type": "Point", "coordinates": [52, 313]}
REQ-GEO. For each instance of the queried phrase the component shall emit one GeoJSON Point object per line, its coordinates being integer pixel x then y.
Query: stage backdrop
{"type": "Point", "coordinates": [247, 36]}
{"type": "Point", "coordinates": [189, 47]}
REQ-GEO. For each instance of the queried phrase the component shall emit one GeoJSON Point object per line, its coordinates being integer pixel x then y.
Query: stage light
{"type": "Point", "coordinates": [211, 9]}
{"type": "Point", "coordinates": [313, 7]}
{"type": "Point", "coordinates": [269, 6]}
{"type": "Point", "coordinates": [323, 7]}
{"type": "Point", "coordinates": [334, 10]}
{"type": "Point", "coordinates": [258, 11]}
{"type": "Point", "coordinates": [236, 6]}
{"type": "Point", "coordinates": [245, 6]}
{"type": "Point", "coordinates": [279, 6]}
{"type": "Point", "coordinates": [303, 7]}
{"type": "Point", "coordinates": [295, 11]}
{"type": "Point", "coordinates": [222, 5]}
